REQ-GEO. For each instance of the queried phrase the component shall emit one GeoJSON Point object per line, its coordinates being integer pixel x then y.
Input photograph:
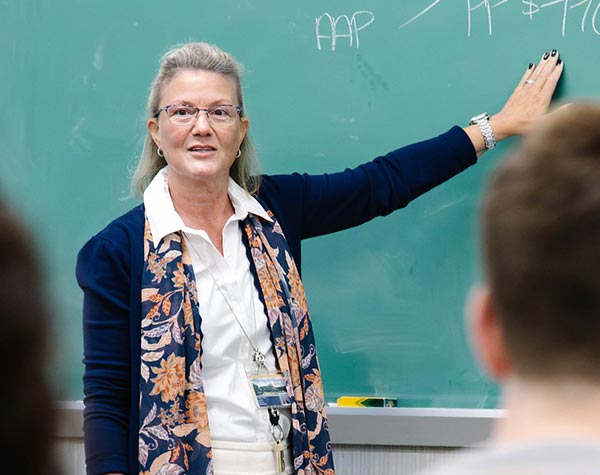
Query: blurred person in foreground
{"type": "Point", "coordinates": [27, 418]}
{"type": "Point", "coordinates": [535, 323]}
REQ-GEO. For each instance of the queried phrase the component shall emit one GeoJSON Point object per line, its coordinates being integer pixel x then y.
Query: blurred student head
{"type": "Point", "coordinates": [27, 418]}
{"type": "Point", "coordinates": [539, 316]}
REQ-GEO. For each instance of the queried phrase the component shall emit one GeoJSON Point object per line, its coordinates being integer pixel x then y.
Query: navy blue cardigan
{"type": "Point", "coordinates": [109, 269]}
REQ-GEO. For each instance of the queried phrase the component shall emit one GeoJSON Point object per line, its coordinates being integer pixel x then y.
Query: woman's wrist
{"type": "Point", "coordinates": [476, 137]}
{"type": "Point", "coordinates": [502, 128]}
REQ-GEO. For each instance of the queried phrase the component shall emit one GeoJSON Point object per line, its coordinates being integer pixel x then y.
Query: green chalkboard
{"type": "Point", "coordinates": [328, 84]}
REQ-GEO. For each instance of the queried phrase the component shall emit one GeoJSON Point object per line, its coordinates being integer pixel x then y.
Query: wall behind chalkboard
{"type": "Point", "coordinates": [328, 85]}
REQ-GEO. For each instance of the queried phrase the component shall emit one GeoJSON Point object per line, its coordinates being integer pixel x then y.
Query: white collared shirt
{"type": "Point", "coordinates": [224, 282]}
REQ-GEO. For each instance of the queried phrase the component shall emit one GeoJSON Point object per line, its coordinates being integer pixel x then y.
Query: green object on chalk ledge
{"type": "Point", "coordinates": [366, 401]}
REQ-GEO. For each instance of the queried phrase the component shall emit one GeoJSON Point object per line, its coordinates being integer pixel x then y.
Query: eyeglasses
{"type": "Point", "coordinates": [185, 114]}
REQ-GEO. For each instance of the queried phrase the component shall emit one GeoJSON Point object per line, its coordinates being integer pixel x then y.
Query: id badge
{"type": "Point", "coordinates": [269, 390]}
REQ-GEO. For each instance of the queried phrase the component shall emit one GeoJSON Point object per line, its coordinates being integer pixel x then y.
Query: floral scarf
{"type": "Point", "coordinates": [174, 436]}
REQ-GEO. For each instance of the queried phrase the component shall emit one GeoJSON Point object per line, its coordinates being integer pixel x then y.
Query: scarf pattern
{"type": "Point", "coordinates": [174, 434]}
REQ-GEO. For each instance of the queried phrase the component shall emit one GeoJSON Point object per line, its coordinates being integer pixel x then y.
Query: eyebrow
{"type": "Point", "coordinates": [222, 102]}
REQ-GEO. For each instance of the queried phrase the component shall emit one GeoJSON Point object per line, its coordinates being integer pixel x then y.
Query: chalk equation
{"type": "Point", "coordinates": [586, 9]}
{"type": "Point", "coordinates": [332, 28]}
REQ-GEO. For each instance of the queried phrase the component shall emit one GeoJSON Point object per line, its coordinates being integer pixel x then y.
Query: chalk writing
{"type": "Point", "coordinates": [528, 8]}
{"type": "Point", "coordinates": [350, 26]}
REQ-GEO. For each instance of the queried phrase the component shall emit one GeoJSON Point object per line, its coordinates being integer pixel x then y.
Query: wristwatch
{"type": "Point", "coordinates": [483, 122]}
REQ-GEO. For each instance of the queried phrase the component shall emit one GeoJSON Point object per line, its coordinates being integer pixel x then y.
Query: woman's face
{"type": "Point", "coordinates": [202, 150]}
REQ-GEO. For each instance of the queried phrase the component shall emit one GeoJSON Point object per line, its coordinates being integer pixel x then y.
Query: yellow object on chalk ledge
{"type": "Point", "coordinates": [366, 401]}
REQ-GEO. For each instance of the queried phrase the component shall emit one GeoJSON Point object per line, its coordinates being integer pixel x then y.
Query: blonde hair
{"type": "Point", "coordinates": [204, 57]}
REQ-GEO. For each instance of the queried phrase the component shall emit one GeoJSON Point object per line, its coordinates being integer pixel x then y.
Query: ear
{"type": "Point", "coordinates": [152, 126]}
{"type": "Point", "coordinates": [244, 125]}
{"type": "Point", "coordinates": [486, 334]}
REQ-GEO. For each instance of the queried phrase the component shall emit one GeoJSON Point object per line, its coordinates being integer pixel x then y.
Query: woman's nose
{"type": "Point", "coordinates": [202, 124]}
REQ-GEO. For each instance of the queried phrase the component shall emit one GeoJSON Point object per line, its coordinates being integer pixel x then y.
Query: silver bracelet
{"type": "Point", "coordinates": [483, 122]}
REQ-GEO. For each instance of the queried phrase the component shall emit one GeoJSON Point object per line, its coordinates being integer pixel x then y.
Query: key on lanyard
{"type": "Point", "coordinates": [279, 445]}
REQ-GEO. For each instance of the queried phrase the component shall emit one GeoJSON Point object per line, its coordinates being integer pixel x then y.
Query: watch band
{"type": "Point", "coordinates": [483, 122]}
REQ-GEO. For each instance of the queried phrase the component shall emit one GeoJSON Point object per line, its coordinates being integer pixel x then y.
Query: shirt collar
{"type": "Point", "coordinates": [164, 220]}
{"type": "Point", "coordinates": [244, 203]}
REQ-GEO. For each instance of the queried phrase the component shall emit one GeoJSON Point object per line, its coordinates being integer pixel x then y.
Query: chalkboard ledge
{"type": "Point", "coordinates": [427, 427]}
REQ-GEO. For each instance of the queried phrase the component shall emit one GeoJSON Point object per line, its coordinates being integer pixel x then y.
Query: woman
{"type": "Point", "coordinates": [199, 352]}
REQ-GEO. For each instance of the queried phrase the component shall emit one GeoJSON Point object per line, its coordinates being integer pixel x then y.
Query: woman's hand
{"type": "Point", "coordinates": [528, 102]}
{"type": "Point", "coordinates": [530, 99]}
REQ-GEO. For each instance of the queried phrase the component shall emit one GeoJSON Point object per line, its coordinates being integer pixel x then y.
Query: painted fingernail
{"type": "Point", "coordinates": [559, 62]}
{"type": "Point", "coordinates": [546, 55]}
{"type": "Point", "coordinates": [530, 66]}
{"type": "Point", "coordinates": [554, 52]}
